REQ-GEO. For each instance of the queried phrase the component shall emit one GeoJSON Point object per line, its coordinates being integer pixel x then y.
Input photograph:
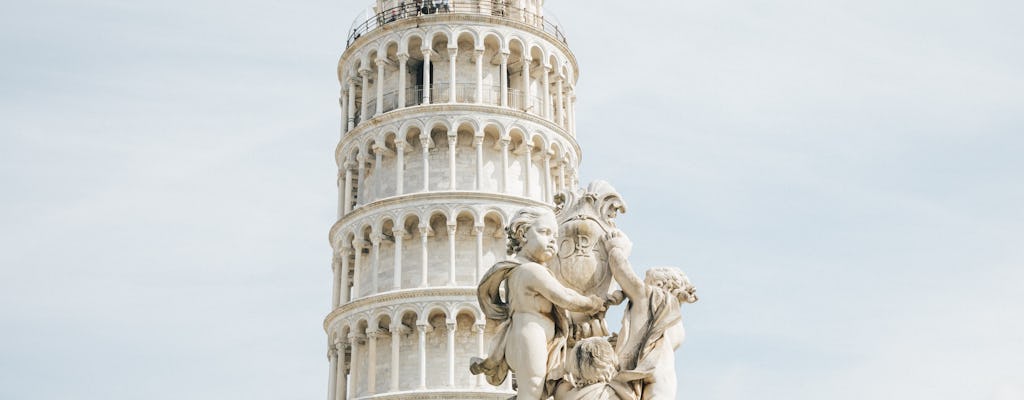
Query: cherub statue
{"type": "Point", "coordinates": [591, 370]}
{"type": "Point", "coordinates": [531, 336]}
{"type": "Point", "coordinates": [652, 326]}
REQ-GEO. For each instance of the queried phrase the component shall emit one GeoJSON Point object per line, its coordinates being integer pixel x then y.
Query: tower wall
{"type": "Point", "coordinates": [452, 121]}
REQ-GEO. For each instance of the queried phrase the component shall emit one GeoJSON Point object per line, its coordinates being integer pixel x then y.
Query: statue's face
{"type": "Point", "coordinates": [539, 241]}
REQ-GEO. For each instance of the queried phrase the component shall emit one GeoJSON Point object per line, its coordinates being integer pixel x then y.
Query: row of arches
{"type": "Point", "coordinates": [416, 249]}
{"type": "Point", "coordinates": [443, 156]}
{"type": "Point", "coordinates": [461, 64]}
{"type": "Point", "coordinates": [407, 347]}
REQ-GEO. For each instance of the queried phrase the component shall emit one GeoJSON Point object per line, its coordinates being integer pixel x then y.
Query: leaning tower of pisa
{"type": "Point", "coordinates": [455, 113]}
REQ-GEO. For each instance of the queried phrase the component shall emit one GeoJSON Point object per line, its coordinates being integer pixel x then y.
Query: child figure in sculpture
{"type": "Point", "coordinates": [652, 325]}
{"type": "Point", "coordinates": [531, 336]}
{"type": "Point", "coordinates": [590, 371]}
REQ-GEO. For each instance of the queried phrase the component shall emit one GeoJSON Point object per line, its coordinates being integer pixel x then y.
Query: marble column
{"type": "Point", "coordinates": [451, 254]}
{"type": "Point", "coordinates": [451, 353]}
{"type": "Point", "coordinates": [361, 181]}
{"type": "Point", "coordinates": [545, 91]}
{"type": "Point", "coordinates": [399, 237]}
{"type": "Point", "coordinates": [357, 246]}
{"type": "Point", "coordinates": [504, 165]}
{"type": "Point", "coordinates": [375, 263]}
{"type": "Point", "coordinates": [351, 103]}
{"type": "Point", "coordinates": [548, 196]}
{"type": "Point", "coordinates": [425, 261]}
{"type": "Point", "coordinates": [348, 187]}
{"type": "Point", "coordinates": [526, 83]}
{"type": "Point", "coordinates": [380, 86]}
{"type": "Point", "coordinates": [342, 377]}
{"type": "Point", "coordinates": [422, 332]}
{"type": "Point", "coordinates": [478, 145]}
{"type": "Point", "coordinates": [343, 102]}
{"type": "Point", "coordinates": [365, 74]}
{"type": "Point", "coordinates": [528, 151]}
{"type": "Point", "coordinates": [478, 231]}
{"type": "Point", "coordinates": [371, 360]}
{"type": "Point", "coordinates": [332, 377]}
{"type": "Point", "coordinates": [396, 346]}
{"type": "Point", "coordinates": [561, 175]}
{"type": "Point", "coordinates": [345, 252]}
{"type": "Point", "coordinates": [341, 193]}
{"type": "Point", "coordinates": [478, 329]}
{"type": "Point", "coordinates": [426, 75]}
{"type": "Point", "coordinates": [559, 106]}
{"type": "Point", "coordinates": [479, 54]}
{"type": "Point", "coordinates": [357, 373]}
{"type": "Point", "coordinates": [504, 78]}
{"type": "Point", "coordinates": [403, 60]}
{"type": "Point", "coordinates": [453, 141]}
{"type": "Point", "coordinates": [425, 144]}
{"type": "Point", "coordinates": [336, 292]}
{"type": "Point", "coordinates": [453, 53]}
{"type": "Point", "coordinates": [400, 167]}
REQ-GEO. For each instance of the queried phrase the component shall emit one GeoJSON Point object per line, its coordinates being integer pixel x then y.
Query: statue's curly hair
{"type": "Point", "coordinates": [591, 361]}
{"type": "Point", "coordinates": [674, 281]}
{"type": "Point", "coordinates": [521, 222]}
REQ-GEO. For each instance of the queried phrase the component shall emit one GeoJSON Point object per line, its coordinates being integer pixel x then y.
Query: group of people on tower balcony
{"type": "Point", "coordinates": [534, 335]}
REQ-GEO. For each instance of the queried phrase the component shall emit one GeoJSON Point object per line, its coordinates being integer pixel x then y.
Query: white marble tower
{"type": "Point", "coordinates": [455, 114]}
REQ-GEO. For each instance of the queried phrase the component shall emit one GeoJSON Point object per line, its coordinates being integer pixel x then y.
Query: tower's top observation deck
{"type": "Point", "coordinates": [388, 11]}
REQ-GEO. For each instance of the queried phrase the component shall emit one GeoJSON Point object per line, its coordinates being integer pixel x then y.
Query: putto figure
{"type": "Point", "coordinates": [652, 325]}
{"type": "Point", "coordinates": [532, 315]}
{"type": "Point", "coordinates": [591, 373]}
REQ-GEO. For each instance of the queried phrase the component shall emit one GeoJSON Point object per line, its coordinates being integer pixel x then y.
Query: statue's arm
{"type": "Point", "coordinates": [547, 286]}
{"type": "Point", "coordinates": [618, 261]}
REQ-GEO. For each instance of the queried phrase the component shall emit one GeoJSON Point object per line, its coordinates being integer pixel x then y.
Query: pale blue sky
{"type": "Point", "coordinates": [843, 180]}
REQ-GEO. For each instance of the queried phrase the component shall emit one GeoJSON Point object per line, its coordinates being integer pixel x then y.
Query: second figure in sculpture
{"type": "Point", "coordinates": [531, 335]}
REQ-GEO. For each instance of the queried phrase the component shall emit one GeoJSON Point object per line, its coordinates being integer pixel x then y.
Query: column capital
{"type": "Point", "coordinates": [375, 239]}
{"type": "Point", "coordinates": [345, 251]}
{"type": "Point", "coordinates": [352, 81]}
{"type": "Point", "coordinates": [479, 327]}
{"type": "Point", "coordinates": [427, 52]}
{"type": "Point", "coordinates": [365, 72]}
{"type": "Point", "coordinates": [400, 145]}
{"type": "Point", "coordinates": [356, 337]}
{"type": "Point", "coordinates": [374, 333]}
{"type": "Point", "coordinates": [452, 228]}
{"type": "Point", "coordinates": [423, 327]}
{"type": "Point", "coordinates": [477, 141]}
{"type": "Point", "coordinates": [400, 328]}
{"type": "Point", "coordinates": [348, 164]}
{"type": "Point", "coordinates": [504, 56]}
{"type": "Point", "coordinates": [403, 57]}
{"type": "Point", "coordinates": [400, 233]}
{"type": "Point", "coordinates": [478, 52]}
{"type": "Point", "coordinates": [425, 231]}
{"type": "Point", "coordinates": [451, 327]}
{"type": "Point", "coordinates": [359, 244]}
{"type": "Point", "coordinates": [453, 51]}
{"type": "Point", "coordinates": [478, 229]}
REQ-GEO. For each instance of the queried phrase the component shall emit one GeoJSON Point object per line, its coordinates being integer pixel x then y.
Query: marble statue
{"type": "Point", "coordinates": [591, 373]}
{"type": "Point", "coordinates": [585, 217]}
{"type": "Point", "coordinates": [652, 325]}
{"type": "Point", "coordinates": [532, 317]}
{"type": "Point", "coordinates": [548, 304]}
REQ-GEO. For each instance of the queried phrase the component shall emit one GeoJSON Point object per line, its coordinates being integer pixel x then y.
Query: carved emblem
{"type": "Point", "coordinates": [585, 216]}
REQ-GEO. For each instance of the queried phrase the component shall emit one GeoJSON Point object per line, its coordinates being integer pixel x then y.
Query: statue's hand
{"type": "Point", "coordinates": [615, 298]}
{"type": "Point", "coordinates": [596, 304]}
{"type": "Point", "coordinates": [616, 239]}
